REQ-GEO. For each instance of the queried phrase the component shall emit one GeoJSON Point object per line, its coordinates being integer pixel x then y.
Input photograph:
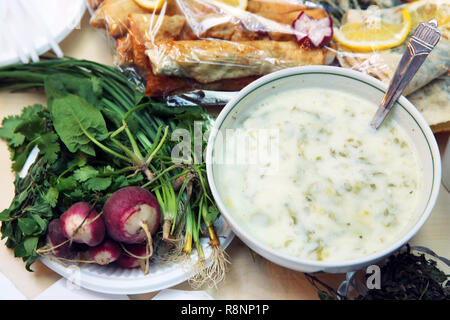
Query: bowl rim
{"type": "Point", "coordinates": [288, 260]}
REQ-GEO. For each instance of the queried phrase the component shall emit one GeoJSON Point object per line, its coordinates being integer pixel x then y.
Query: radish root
{"type": "Point", "coordinates": [44, 250]}
{"type": "Point", "coordinates": [149, 246]}
{"type": "Point", "coordinates": [75, 260]}
{"type": "Point", "coordinates": [145, 266]}
{"type": "Point", "coordinates": [144, 226]}
{"type": "Point", "coordinates": [147, 256]}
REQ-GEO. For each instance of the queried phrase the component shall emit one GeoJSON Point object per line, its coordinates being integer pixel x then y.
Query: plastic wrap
{"type": "Point", "coordinates": [186, 45]}
{"type": "Point", "coordinates": [190, 44]}
{"type": "Point", "coordinates": [383, 63]}
{"type": "Point", "coordinates": [429, 89]}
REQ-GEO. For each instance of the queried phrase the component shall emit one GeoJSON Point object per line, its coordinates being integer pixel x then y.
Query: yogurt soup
{"type": "Point", "coordinates": [337, 189]}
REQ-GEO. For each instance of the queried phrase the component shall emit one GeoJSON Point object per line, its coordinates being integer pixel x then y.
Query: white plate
{"type": "Point", "coordinates": [116, 280]}
{"type": "Point", "coordinates": [60, 16]}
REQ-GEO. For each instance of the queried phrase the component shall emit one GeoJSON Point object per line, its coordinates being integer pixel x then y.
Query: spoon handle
{"type": "Point", "coordinates": [424, 39]}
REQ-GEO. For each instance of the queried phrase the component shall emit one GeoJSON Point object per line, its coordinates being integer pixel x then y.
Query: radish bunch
{"type": "Point", "coordinates": [122, 232]}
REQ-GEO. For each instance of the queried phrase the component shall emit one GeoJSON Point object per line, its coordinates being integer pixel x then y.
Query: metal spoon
{"type": "Point", "coordinates": [424, 39]}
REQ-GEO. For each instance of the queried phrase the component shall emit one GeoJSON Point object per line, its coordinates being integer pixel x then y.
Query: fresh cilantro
{"type": "Point", "coordinates": [7, 131]}
{"type": "Point", "coordinates": [98, 184]}
{"type": "Point", "coordinates": [84, 173]}
{"type": "Point", "coordinates": [48, 147]}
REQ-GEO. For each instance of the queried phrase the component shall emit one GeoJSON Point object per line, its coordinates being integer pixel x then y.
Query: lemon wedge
{"type": "Point", "coordinates": [380, 35]}
{"type": "Point", "coordinates": [425, 10]}
{"type": "Point", "coordinates": [150, 4]}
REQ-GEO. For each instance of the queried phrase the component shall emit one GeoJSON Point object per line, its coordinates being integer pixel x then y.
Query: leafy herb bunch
{"type": "Point", "coordinates": [97, 134]}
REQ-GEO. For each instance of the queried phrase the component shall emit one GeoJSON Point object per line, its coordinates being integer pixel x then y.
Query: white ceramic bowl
{"type": "Point", "coordinates": [366, 87]}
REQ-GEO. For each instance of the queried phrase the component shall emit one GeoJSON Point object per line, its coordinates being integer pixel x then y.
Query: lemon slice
{"type": "Point", "coordinates": [150, 4]}
{"type": "Point", "coordinates": [425, 10]}
{"type": "Point", "coordinates": [241, 4]}
{"type": "Point", "coordinates": [380, 35]}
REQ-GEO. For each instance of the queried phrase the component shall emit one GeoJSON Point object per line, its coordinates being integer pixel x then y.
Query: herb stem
{"type": "Point", "coordinates": [103, 147]}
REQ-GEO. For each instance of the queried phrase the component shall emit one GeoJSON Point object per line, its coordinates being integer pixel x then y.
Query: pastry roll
{"type": "Point", "coordinates": [212, 60]}
{"type": "Point", "coordinates": [113, 14]}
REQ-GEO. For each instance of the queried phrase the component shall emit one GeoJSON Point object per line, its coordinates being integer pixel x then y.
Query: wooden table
{"type": "Point", "coordinates": [250, 276]}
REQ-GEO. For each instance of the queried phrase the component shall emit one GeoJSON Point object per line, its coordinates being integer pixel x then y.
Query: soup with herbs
{"type": "Point", "coordinates": [326, 186]}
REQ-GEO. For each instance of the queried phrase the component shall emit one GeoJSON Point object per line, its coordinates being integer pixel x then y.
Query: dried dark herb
{"type": "Point", "coordinates": [407, 276]}
{"type": "Point", "coordinates": [404, 276]}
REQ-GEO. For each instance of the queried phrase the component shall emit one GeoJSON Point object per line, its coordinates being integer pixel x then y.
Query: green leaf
{"type": "Point", "coordinates": [59, 85]}
{"type": "Point", "coordinates": [32, 111]}
{"type": "Point", "coordinates": [79, 160]}
{"type": "Point", "coordinates": [49, 147]}
{"type": "Point", "coordinates": [7, 131]}
{"type": "Point", "coordinates": [27, 225]}
{"type": "Point", "coordinates": [179, 112]}
{"type": "Point", "coordinates": [21, 156]}
{"type": "Point", "coordinates": [41, 223]}
{"type": "Point", "coordinates": [66, 184]}
{"type": "Point", "coordinates": [4, 215]}
{"type": "Point", "coordinates": [98, 184]}
{"type": "Point", "coordinates": [85, 173]}
{"type": "Point", "coordinates": [30, 260]}
{"type": "Point", "coordinates": [27, 130]}
{"type": "Point", "coordinates": [26, 247]}
{"type": "Point", "coordinates": [77, 122]}
{"type": "Point", "coordinates": [51, 197]}
{"type": "Point", "coordinates": [77, 194]}
{"type": "Point", "coordinates": [31, 128]}
{"type": "Point", "coordinates": [213, 214]}
{"type": "Point", "coordinates": [16, 129]}
{"type": "Point", "coordinates": [108, 169]}
{"type": "Point", "coordinates": [41, 208]}
{"type": "Point", "coordinates": [30, 244]}
{"type": "Point", "coordinates": [7, 229]}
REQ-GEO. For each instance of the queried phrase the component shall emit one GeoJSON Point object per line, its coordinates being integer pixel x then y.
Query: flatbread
{"type": "Point", "coordinates": [433, 101]}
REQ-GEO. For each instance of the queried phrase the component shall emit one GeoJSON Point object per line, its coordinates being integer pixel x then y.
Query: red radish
{"type": "Point", "coordinates": [139, 252]}
{"type": "Point", "coordinates": [131, 215]}
{"type": "Point", "coordinates": [105, 253]}
{"type": "Point", "coordinates": [56, 237]}
{"type": "Point", "coordinates": [82, 224]}
{"type": "Point", "coordinates": [317, 32]}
